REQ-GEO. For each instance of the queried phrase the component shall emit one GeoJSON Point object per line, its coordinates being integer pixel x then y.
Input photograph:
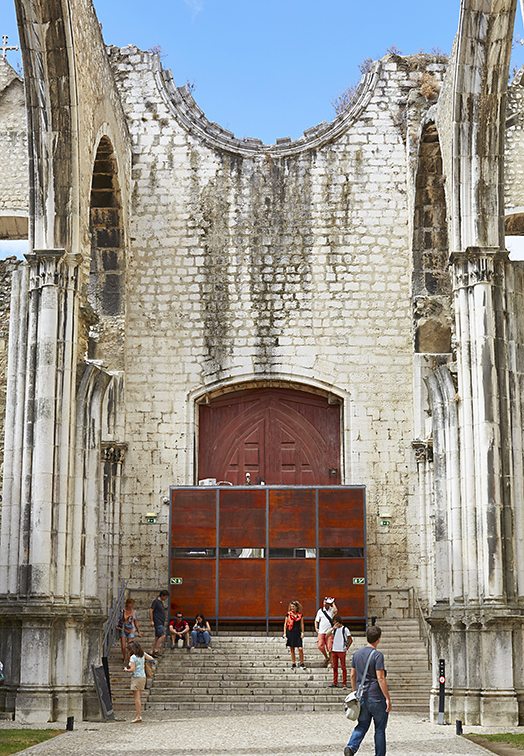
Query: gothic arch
{"type": "Point", "coordinates": [478, 110]}
{"type": "Point", "coordinates": [46, 44]}
{"type": "Point", "coordinates": [107, 273]}
{"type": "Point", "coordinates": [430, 279]}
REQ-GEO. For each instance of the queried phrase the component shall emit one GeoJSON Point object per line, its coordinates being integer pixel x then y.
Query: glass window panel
{"type": "Point", "coordinates": [296, 553]}
{"type": "Point", "coordinates": [241, 553]}
{"type": "Point", "coordinates": [178, 553]}
{"type": "Point", "coordinates": [342, 553]}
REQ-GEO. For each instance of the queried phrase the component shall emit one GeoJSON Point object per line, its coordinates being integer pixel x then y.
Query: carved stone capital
{"type": "Point", "coordinates": [113, 452]}
{"type": "Point", "coordinates": [476, 265]}
{"type": "Point", "coordinates": [423, 450]}
{"type": "Point", "coordinates": [53, 267]}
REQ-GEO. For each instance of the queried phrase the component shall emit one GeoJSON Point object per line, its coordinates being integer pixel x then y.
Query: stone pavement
{"type": "Point", "coordinates": [251, 734]}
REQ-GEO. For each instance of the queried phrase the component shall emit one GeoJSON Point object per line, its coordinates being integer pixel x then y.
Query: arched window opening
{"type": "Point", "coordinates": [431, 286]}
{"type": "Point", "coordinates": [106, 286]}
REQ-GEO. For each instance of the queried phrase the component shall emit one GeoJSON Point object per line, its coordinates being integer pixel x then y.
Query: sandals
{"type": "Point", "coordinates": [136, 719]}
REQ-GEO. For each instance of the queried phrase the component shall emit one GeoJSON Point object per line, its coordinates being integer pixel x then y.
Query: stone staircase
{"type": "Point", "coordinates": [254, 673]}
{"type": "Point", "coordinates": [120, 681]}
{"type": "Point", "coordinates": [406, 660]}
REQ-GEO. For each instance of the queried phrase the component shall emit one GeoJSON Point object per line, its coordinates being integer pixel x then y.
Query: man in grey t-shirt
{"type": "Point", "coordinates": [375, 703]}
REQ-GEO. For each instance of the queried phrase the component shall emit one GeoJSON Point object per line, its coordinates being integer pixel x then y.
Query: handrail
{"type": "Point", "coordinates": [423, 628]}
{"type": "Point", "coordinates": [110, 623]}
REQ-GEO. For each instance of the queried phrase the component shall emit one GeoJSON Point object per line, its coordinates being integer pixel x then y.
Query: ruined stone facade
{"type": "Point", "coordinates": [172, 263]}
{"type": "Point", "coordinates": [14, 187]}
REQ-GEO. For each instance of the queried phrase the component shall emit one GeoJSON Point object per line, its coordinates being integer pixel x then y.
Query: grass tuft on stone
{"type": "Point", "coordinates": [14, 741]}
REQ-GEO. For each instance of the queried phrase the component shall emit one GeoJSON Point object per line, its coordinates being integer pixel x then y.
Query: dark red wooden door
{"type": "Point", "coordinates": [278, 436]}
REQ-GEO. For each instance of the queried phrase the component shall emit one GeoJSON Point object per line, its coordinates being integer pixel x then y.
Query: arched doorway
{"type": "Point", "coordinates": [277, 436]}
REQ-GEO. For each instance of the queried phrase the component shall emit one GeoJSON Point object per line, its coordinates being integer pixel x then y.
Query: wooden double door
{"type": "Point", "coordinates": [274, 436]}
{"type": "Point", "coordinates": [243, 553]}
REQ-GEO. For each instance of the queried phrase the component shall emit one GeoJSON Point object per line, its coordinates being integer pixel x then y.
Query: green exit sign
{"type": "Point", "coordinates": [359, 581]}
{"type": "Point", "coordinates": [385, 523]}
{"type": "Point", "coordinates": [176, 581]}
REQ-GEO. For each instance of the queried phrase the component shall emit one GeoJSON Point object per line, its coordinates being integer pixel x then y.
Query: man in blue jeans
{"type": "Point", "coordinates": [375, 703]}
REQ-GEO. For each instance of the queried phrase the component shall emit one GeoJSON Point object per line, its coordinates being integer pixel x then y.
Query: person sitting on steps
{"type": "Point", "coordinates": [201, 632]}
{"type": "Point", "coordinates": [179, 630]}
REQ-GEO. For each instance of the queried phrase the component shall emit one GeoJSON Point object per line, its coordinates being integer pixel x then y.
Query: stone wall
{"type": "Point", "coordinates": [287, 262]}
{"type": "Point", "coordinates": [514, 149]}
{"type": "Point", "coordinates": [14, 188]}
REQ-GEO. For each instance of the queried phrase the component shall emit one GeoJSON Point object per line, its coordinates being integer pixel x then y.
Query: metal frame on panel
{"type": "Point", "coordinates": [317, 543]}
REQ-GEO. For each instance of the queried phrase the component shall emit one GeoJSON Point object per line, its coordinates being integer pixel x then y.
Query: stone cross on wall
{"type": "Point", "coordinates": [4, 47]}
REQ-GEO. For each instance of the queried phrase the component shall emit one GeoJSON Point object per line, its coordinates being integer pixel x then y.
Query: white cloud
{"type": "Point", "coordinates": [195, 6]}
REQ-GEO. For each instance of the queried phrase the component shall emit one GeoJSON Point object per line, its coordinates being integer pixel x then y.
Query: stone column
{"type": "Point", "coordinates": [50, 635]}
{"type": "Point", "coordinates": [478, 405]}
{"type": "Point", "coordinates": [476, 634]}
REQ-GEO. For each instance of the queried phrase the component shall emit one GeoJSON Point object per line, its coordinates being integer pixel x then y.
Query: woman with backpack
{"type": "Point", "coordinates": [127, 625]}
{"type": "Point", "coordinates": [342, 640]}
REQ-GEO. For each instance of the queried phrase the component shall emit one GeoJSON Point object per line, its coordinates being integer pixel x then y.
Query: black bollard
{"type": "Point", "coordinates": [70, 723]}
{"type": "Point", "coordinates": [458, 725]}
{"type": "Point", "coordinates": [442, 690]}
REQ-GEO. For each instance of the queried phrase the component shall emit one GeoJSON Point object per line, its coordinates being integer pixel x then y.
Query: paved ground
{"type": "Point", "coordinates": [256, 734]}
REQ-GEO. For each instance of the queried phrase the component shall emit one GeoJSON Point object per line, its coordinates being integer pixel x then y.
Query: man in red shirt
{"type": "Point", "coordinates": [179, 630]}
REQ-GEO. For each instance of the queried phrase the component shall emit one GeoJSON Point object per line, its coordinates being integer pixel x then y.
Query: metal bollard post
{"type": "Point", "coordinates": [442, 690]}
{"type": "Point", "coordinates": [458, 726]}
{"type": "Point", "coordinates": [70, 723]}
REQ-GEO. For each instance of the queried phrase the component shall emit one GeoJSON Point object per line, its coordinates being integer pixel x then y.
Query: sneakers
{"type": "Point", "coordinates": [334, 685]}
{"type": "Point", "coordinates": [325, 662]}
{"type": "Point", "coordinates": [349, 751]}
{"type": "Point", "coordinates": [303, 665]}
{"type": "Point", "coordinates": [293, 666]}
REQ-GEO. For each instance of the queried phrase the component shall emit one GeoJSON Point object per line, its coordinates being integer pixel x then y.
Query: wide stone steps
{"type": "Point", "coordinates": [254, 673]}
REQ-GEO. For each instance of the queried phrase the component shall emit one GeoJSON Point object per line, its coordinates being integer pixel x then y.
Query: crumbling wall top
{"type": "Point", "coordinates": [181, 103]}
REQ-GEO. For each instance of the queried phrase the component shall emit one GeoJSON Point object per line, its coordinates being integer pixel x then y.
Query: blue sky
{"type": "Point", "coordinates": [271, 69]}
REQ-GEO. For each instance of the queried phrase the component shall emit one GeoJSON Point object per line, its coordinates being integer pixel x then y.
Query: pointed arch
{"type": "Point", "coordinates": [431, 285]}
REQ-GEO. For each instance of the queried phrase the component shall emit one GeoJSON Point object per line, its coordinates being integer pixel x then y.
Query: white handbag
{"type": "Point", "coordinates": [352, 705]}
{"type": "Point", "coordinates": [352, 701]}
